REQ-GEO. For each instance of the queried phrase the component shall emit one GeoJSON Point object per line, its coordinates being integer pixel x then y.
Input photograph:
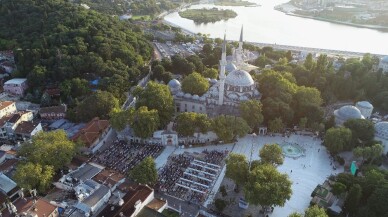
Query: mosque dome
{"type": "Point", "coordinates": [187, 95]}
{"type": "Point", "coordinates": [213, 81]}
{"type": "Point", "coordinates": [384, 60]}
{"type": "Point", "coordinates": [230, 67]}
{"type": "Point", "coordinates": [347, 112]}
{"type": "Point", "coordinates": [364, 104]}
{"type": "Point", "coordinates": [239, 78]}
{"type": "Point", "coordinates": [196, 97]}
{"type": "Point", "coordinates": [381, 129]}
{"type": "Point", "coordinates": [174, 84]}
{"type": "Point", "coordinates": [180, 94]}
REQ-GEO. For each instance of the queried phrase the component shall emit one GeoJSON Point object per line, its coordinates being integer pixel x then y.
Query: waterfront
{"type": "Point", "coordinates": [266, 25]}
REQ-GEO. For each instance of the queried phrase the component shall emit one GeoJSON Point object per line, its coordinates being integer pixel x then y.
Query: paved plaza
{"type": "Point", "coordinates": [305, 172]}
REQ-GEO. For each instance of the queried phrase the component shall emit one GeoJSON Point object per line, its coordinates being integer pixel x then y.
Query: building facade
{"type": "Point", "coordinates": [16, 86]}
{"type": "Point", "coordinates": [225, 94]}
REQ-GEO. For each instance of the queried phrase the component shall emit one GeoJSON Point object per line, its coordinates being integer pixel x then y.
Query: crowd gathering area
{"type": "Point", "coordinates": [191, 176]}
{"type": "Point", "coordinates": [123, 156]}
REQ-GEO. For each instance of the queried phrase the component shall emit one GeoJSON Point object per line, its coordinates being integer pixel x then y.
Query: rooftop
{"type": "Point", "coordinates": [53, 109]}
{"type": "Point", "coordinates": [6, 184]}
{"type": "Point", "coordinates": [86, 171]}
{"type": "Point", "coordinates": [91, 131]}
{"type": "Point", "coordinates": [5, 104]}
{"type": "Point", "coordinates": [26, 127]}
{"type": "Point", "coordinates": [141, 193]}
{"type": "Point", "coordinates": [16, 81]}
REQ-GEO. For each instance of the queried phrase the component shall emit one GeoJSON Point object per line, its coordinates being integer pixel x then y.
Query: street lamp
{"type": "Point", "coordinates": [250, 157]}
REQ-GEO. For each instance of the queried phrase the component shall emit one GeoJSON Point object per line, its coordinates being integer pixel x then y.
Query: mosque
{"type": "Point", "coordinates": [224, 95]}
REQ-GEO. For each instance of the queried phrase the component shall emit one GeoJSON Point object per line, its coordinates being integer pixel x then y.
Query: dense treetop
{"type": "Point", "coordinates": [55, 42]}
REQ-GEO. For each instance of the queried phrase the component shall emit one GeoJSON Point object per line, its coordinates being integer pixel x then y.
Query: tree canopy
{"type": "Point", "coordinates": [145, 172]}
{"type": "Point", "coordinates": [271, 154]}
{"type": "Point", "coordinates": [338, 139]}
{"type": "Point", "coordinates": [49, 149]}
{"type": "Point", "coordinates": [157, 96]}
{"type": "Point", "coordinates": [362, 130]}
{"type": "Point", "coordinates": [228, 127]}
{"type": "Point", "coordinates": [99, 104]}
{"type": "Point", "coordinates": [188, 123]}
{"type": "Point", "coordinates": [250, 111]}
{"type": "Point", "coordinates": [237, 168]}
{"type": "Point", "coordinates": [144, 122]}
{"type": "Point", "coordinates": [195, 83]}
{"type": "Point", "coordinates": [267, 187]}
{"type": "Point", "coordinates": [34, 176]}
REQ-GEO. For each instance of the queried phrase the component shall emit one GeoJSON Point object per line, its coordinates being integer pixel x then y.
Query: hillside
{"type": "Point", "coordinates": [55, 41]}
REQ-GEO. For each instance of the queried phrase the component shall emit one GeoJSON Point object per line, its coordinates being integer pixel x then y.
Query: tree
{"type": "Point", "coordinates": [34, 176]}
{"type": "Point", "coordinates": [120, 119]}
{"type": "Point", "coordinates": [267, 187]}
{"type": "Point", "coordinates": [369, 153]}
{"type": "Point", "coordinates": [362, 130]}
{"type": "Point", "coordinates": [210, 73]}
{"type": "Point", "coordinates": [99, 104]}
{"type": "Point", "coordinates": [276, 125]}
{"type": "Point", "coordinates": [157, 96]}
{"type": "Point", "coordinates": [309, 63]}
{"type": "Point", "coordinates": [315, 211]}
{"type": "Point", "coordinates": [353, 199]}
{"type": "Point", "coordinates": [189, 122]}
{"type": "Point", "coordinates": [338, 188]}
{"type": "Point", "coordinates": [338, 139]}
{"type": "Point", "coordinates": [49, 149]}
{"type": "Point", "coordinates": [237, 168]}
{"type": "Point", "coordinates": [377, 202]}
{"type": "Point", "coordinates": [37, 76]}
{"type": "Point", "coordinates": [145, 172]}
{"type": "Point", "coordinates": [220, 204]}
{"type": "Point", "coordinates": [144, 122]}
{"type": "Point", "coordinates": [228, 128]}
{"type": "Point", "coordinates": [195, 83]}
{"type": "Point", "coordinates": [271, 154]}
{"type": "Point", "coordinates": [250, 111]}
{"type": "Point", "coordinates": [302, 123]}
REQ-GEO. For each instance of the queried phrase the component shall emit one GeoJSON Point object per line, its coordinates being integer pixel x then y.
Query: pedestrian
{"type": "Point", "coordinates": [291, 171]}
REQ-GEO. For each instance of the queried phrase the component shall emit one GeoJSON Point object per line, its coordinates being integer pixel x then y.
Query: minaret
{"type": "Point", "coordinates": [222, 73]}
{"type": "Point", "coordinates": [239, 52]}
{"type": "Point", "coordinates": [240, 43]}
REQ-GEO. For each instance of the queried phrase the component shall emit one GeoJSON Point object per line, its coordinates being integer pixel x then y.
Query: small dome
{"type": "Point", "coordinates": [347, 112]}
{"type": "Point", "coordinates": [208, 79]}
{"type": "Point", "coordinates": [230, 67]}
{"type": "Point", "coordinates": [381, 129]}
{"type": "Point", "coordinates": [384, 59]}
{"type": "Point", "coordinates": [364, 104]}
{"type": "Point", "coordinates": [180, 94]}
{"type": "Point", "coordinates": [213, 81]}
{"type": "Point", "coordinates": [202, 98]}
{"type": "Point", "coordinates": [239, 78]}
{"type": "Point", "coordinates": [196, 97]}
{"type": "Point", "coordinates": [256, 92]}
{"type": "Point", "coordinates": [187, 95]}
{"type": "Point", "coordinates": [174, 83]}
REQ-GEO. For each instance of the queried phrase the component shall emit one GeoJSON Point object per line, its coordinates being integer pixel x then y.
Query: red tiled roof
{"type": "Point", "coordinates": [91, 131]}
{"type": "Point", "coordinates": [26, 127]}
{"type": "Point", "coordinates": [55, 109]}
{"type": "Point", "coordinates": [5, 104]}
{"type": "Point", "coordinates": [41, 207]}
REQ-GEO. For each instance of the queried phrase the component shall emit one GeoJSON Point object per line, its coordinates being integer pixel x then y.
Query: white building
{"type": "Point", "coordinates": [384, 64]}
{"type": "Point", "coordinates": [225, 94]}
{"type": "Point", "coordinates": [7, 108]}
{"type": "Point", "coordinates": [345, 113]}
{"type": "Point", "coordinates": [365, 107]}
{"type": "Point", "coordinates": [381, 130]}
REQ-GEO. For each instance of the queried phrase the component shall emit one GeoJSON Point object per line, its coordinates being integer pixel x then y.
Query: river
{"type": "Point", "coordinates": [266, 25]}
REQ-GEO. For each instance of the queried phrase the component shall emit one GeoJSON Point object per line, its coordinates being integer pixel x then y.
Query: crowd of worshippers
{"type": "Point", "coordinates": [191, 178]}
{"type": "Point", "coordinates": [123, 156]}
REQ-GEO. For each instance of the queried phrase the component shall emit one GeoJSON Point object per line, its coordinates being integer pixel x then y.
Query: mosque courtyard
{"type": "Point", "coordinates": [308, 166]}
